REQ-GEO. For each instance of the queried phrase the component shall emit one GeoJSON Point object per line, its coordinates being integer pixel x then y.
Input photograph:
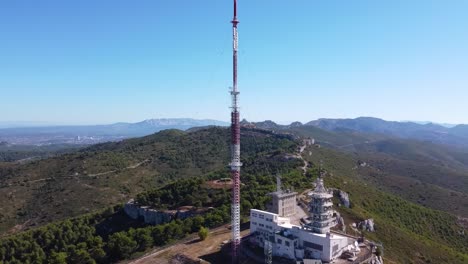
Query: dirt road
{"type": "Point", "coordinates": [192, 247]}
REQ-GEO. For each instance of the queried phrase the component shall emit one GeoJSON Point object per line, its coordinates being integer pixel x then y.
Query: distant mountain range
{"type": "Point", "coordinates": [97, 133]}
{"type": "Point", "coordinates": [456, 136]}
{"type": "Point", "coordinates": [429, 122]}
{"type": "Point", "coordinates": [439, 134]}
{"type": "Point", "coordinates": [45, 135]}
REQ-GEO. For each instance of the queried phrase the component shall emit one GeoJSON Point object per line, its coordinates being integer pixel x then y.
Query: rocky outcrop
{"type": "Point", "coordinates": [156, 217]}
{"type": "Point", "coordinates": [146, 214]}
{"type": "Point", "coordinates": [342, 195]}
{"type": "Point", "coordinates": [361, 163]}
{"type": "Point", "coordinates": [376, 260]}
{"type": "Point", "coordinates": [344, 198]}
{"type": "Point", "coordinates": [367, 225]}
{"type": "Point", "coordinates": [340, 222]}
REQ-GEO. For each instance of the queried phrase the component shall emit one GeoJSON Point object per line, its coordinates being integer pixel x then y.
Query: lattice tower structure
{"type": "Point", "coordinates": [235, 164]}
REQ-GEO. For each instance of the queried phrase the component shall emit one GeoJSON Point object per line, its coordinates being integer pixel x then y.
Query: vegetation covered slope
{"type": "Point", "coordinates": [422, 172]}
{"type": "Point", "coordinates": [410, 233]}
{"type": "Point", "coordinates": [25, 153]}
{"type": "Point", "coordinates": [109, 236]}
{"type": "Point", "coordinates": [110, 173]}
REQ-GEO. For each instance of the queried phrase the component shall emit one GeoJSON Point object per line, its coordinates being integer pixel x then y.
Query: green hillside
{"type": "Point", "coordinates": [170, 169]}
{"type": "Point", "coordinates": [432, 175]}
{"type": "Point", "coordinates": [111, 173]}
{"type": "Point", "coordinates": [108, 236]}
{"type": "Point", "coordinates": [411, 233]}
{"type": "Point", "coordinates": [23, 153]}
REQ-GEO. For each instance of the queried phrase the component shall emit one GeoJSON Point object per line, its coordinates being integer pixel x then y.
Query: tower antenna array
{"type": "Point", "coordinates": [235, 147]}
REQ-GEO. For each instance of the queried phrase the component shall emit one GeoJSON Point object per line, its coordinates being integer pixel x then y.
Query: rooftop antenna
{"type": "Point", "coordinates": [235, 147]}
{"type": "Point", "coordinates": [278, 182]}
{"type": "Point", "coordinates": [321, 172]}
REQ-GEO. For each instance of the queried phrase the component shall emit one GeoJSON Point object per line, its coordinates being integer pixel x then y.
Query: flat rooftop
{"type": "Point", "coordinates": [283, 193]}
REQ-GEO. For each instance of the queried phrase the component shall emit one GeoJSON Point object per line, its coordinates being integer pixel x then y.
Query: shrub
{"type": "Point", "coordinates": [203, 233]}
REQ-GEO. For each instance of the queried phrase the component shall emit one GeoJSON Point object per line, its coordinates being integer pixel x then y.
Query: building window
{"type": "Point", "coordinates": [287, 243]}
{"type": "Point", "coordinates": [313, 245]}
{"type": "Point", "coordinates": [279, 241]}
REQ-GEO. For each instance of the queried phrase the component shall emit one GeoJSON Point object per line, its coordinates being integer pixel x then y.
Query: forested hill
{"type": "Point", "coordinates": [410, 233]}
{"type": "Point", "coordinates": [26, 153]}
{"type": "Point", "coordinates": [426, 173]}
{"type": "Point", "coordinates": [174, 168]}
{"type": "Point", "coordinates": [111, 173]}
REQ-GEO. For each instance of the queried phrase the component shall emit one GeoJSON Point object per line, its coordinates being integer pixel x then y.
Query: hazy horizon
{"type": "Point", "coordinates": [19, 124]}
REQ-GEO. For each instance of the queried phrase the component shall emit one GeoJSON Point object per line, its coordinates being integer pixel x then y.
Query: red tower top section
{"type": "Point", "coordinates": [235, 11]}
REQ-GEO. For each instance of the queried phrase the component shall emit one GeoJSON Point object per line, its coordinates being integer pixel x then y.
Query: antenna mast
{"type": "Point", "coordinates": [235, 147]}
{"type": "Point", "coordinates": [278, 183]}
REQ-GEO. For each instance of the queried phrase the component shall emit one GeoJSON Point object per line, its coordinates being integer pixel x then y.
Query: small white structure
{"type": "Point", "coordinates": [312, 241]}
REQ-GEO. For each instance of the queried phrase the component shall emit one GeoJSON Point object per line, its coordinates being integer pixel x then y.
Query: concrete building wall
{"type": "Point", "coordinates": [283, 203]}
{"type": "Point", "coordinates": [285, 246]}
{"type": "Point", "coordinates": [338, 244]}
{"type": "Point", "coordinates": [265, 221]}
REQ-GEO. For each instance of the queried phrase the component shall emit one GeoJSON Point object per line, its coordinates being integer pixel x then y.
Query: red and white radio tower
{"type": "Point", "coordinates": [235, 147]}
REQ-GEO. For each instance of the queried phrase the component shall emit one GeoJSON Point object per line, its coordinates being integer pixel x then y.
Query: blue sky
{"type": "Point", "coordinates": [88, 62]}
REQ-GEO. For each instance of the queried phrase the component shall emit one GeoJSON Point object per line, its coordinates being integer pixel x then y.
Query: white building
{"type": "Point", "coordinates": [312, 241]}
